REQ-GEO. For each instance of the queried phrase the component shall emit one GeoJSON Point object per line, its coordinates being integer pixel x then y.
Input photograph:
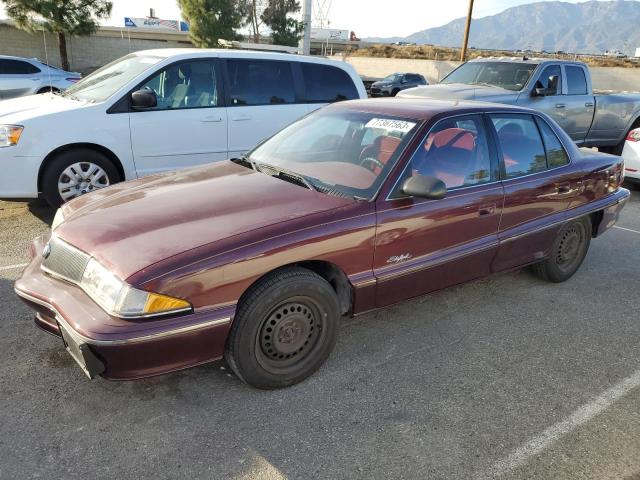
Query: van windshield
{"type": "Point", "coordinates": [106, 81]}
{"type": "Point", "coordinates": [507, 75]}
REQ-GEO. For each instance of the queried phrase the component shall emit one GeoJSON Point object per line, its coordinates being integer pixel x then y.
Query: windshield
{"type": "Point", "coordinates": [392, 78]}
{"type": "Point", "coordinates": [337, 151]}
{"type": "Point", "coordinates": [106, 81]}
{"type": "Point", "coordinates": [507, 75]}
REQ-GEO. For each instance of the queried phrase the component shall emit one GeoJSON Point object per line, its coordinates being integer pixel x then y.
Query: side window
{"type": "Point", "coordinates": [455, 151]}
{"type": "Point", "coordinates": [185, 85]}
{"type": "Point", "coordinates": [522, 147]}
{"type": "Point", "coordinates": [260, 82]}
{"type": "Point", "coordinates": [556, 154]}
{"type": "Point", "coordinates": [17, 67]}
{"type": "Point", "coordinates": [576, 81]}
{"type": "Point", "coordinates": [551, 80]}
{"type": "Point", "coordinates": [324, 83]}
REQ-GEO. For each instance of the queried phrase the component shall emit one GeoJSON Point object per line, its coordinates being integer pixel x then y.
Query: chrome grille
{"type": "Point", "coordinates": [65, 261]}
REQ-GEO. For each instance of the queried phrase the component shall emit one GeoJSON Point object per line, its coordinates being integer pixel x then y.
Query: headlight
{"type": "Point", "coordinates": [122, 300]}
{"type": "Point", "coordinates": [57, 220]}
{"type": "Point", "coordinates": [10, 135]}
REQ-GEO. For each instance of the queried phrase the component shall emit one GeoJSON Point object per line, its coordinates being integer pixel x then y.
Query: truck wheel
{"type": "Point", "coordinates": [567, 252]}
{"type": "Point", "coordinates": [75, 172]}
{"type": "Point", "coordinates": [284, 329]}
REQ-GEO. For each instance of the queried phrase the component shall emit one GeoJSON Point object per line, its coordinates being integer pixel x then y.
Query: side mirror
{"type": "Point", "coordinates": [143, 99]}
{"type": "Point", "coordinates": [552, 86]}
{"type": "Point", "coordinates": [539, 90]}
{"type": "Point", "coordinates": [424, 187]}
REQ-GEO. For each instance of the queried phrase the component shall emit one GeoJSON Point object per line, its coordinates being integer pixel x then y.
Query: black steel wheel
{"type": "Point", "coordinates": [567, 252]}
{"type": "Point", "coordinates": [285, 328]}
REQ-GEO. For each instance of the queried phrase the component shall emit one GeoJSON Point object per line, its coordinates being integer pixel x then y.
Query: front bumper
{"type": "Point", "coordinates": [19, 177]}
{"type": "Point", "coordinates": [380, 91]}
{"type": "Point", "coordinates": [113, 347]}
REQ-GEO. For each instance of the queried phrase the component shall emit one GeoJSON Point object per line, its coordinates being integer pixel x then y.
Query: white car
{"type": "Point", "coordinates": [158, 110]}
{"type": "Point", "coordinates": [631, 156]}
{"type": "Point", "coordinates": [27, 76]}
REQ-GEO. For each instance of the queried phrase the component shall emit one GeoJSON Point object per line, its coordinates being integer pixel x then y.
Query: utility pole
{"type": "Point", "coordinates": [463, 53]}
{"type": "Point", "coordinates": [304, 47]}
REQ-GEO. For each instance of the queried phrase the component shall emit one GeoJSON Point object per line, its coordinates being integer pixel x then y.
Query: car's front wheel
{"type": "Point", "coordinates": [284, 329]}
{"type": "Point", "coordinates": [75, 172]}
{"type": "Point", "coordinates": [567, 252]}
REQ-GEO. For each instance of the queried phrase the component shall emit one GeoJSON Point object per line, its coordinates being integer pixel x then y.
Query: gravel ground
{"type": "Point", "coordinates": [509, 376]}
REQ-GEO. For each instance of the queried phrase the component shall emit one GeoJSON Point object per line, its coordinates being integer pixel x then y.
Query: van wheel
{"type": "Point", "coordinates": [75, 172]}
{"type": "Point", "coordinates": [284, 329]}
{"type": "Point", "coordinates": [48, 89]}
{"type": "Point", "coordinates": [567, 252]}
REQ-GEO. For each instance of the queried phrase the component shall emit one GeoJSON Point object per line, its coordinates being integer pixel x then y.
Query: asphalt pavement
{"type": "Point", "coordinates": [508, 377]}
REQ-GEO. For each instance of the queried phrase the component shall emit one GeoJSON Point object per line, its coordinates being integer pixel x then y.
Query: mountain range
{"type": "Point", "coordinates": [588, 27]}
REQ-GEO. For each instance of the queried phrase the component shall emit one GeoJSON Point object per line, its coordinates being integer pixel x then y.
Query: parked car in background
{"type": "Point", "coordinates": [631, 156]}
{"type": "Point", "coordinates": [27, 76]}
{"type": "Point", "coordinates": [390, 85]}
{"type": "Point", "coordinates": [355, 207]}
{"type": "Point", "coordinates": [560, 88]}
{"type": "Point", "coordinates": [159, 110]}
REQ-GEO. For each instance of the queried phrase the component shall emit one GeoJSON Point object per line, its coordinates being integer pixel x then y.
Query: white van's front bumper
{"type": "Point", "coordinates": [18, 174]}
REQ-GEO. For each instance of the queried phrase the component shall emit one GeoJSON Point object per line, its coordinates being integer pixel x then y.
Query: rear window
{"type": "Point", "coordinates": [324, 83]}
{"type": "Point", "coordinates": [576, 81]}
{"type": "Point", "coordinates": [17, 67]}
{"type": "Point", "coordinates": [556, 154]}
{"type": "Point", "coordinates": [260, 82]}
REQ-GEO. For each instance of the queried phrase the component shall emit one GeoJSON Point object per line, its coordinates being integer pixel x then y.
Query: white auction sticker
{"type": "Point", "coordinates": [390, 124]}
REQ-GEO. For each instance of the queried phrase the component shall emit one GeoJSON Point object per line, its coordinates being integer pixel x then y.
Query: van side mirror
{"type": "Point", "coordinates": [143, 99]}
{"type": "Point", "coordinates": [424, 186]}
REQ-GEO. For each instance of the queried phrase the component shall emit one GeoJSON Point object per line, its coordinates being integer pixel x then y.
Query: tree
{"type": "Point", "coordinates": [211, 20]}
{"type": "Point", "coordinates": [285, 30]}
{"type": "Point", "coordinates": [62, 17]}
{"type": "Point", "coordinates": [253, 10]}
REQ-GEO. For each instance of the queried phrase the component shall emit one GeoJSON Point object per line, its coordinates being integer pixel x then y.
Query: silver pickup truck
{"type": "Point", "coordinates": [560, 88]}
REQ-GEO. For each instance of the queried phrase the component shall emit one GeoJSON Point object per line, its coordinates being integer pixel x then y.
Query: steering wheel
{"type": "Point", "coordinates": [371, 163]}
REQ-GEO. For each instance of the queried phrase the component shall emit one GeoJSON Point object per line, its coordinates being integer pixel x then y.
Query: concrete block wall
{"type": "Point", "coordinates": [604, 78]}
{"type": "Point", "coordinates": [85, 53]}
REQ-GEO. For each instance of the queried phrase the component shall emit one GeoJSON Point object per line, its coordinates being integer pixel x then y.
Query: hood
{"type": "Point", "coordinates": [381, 83]}
{"type": "Point", "coordinates": [133, 225]}
{"type": "Point", "coordinates": [17, 110]}
{"type": "Point", "coordinates": [461, 91]}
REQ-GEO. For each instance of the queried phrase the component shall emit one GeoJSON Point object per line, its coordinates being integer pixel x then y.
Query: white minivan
{"type": "Point", "coordinates": [158, 110]}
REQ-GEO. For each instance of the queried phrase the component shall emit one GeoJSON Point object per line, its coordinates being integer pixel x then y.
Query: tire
{"type": "Point", "coordinates": [48, 89]}
{"type": "Point", "coordinates": [285, 328]}
{"type": "Point", "coordinates": [567, 252]}
{"type": "Point", "coordinates": [395, 92]}
{"type": "Point", "coordinates": [82, 161]}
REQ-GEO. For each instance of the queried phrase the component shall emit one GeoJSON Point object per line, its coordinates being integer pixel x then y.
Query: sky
{"type": "Point", "coordinates": [368, 18]}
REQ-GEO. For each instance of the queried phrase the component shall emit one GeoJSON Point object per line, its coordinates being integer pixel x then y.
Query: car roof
{"type": "Point", "coordinates": [12, 57]}
{"type": "Point", "coordinates": [423, 109]}
{"type": "Point", "coordinates": [524, 60]}
{"type": "Point", "coordinates": [185, 53]}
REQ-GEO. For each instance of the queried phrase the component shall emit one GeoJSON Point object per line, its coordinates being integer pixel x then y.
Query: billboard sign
{"type": "Point", "coordinates": [155, 24]}
{"type": "Point", "coordinates": [329, 34]}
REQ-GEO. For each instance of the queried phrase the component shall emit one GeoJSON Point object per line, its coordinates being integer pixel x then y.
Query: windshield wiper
{"type": "Point", "coordinates": [283, 174]}
{"type": "Point", "coordinates": [245, 162]}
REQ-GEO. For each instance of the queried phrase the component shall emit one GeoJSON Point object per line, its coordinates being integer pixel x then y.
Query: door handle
{"type": "Point", "coordinates": [560, 105]}
{"type": "Point", "coordinates": [211, 118]}
{"type": "Point", "coordinates": [241, 118]}
{"type": "Point", "coordinates": [588, 104]}
{"type": "Point", "coordinates": [487, 210]}
{"type": "Point", "coordinates": [563, 189]}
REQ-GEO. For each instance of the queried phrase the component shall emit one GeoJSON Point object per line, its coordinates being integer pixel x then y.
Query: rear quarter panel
{"type": "Point", "coordinates": [614, 116]}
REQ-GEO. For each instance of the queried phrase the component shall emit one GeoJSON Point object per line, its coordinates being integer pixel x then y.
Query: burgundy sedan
{"type": "Point", "coordinates": [358, 206]}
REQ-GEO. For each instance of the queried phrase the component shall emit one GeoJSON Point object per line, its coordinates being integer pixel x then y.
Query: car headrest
{"type": "Point", "coordinates": [510, 130]}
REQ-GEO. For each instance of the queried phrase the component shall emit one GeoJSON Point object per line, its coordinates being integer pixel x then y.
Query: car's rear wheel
{"type": "Point", "coordinates": [284, 329]}
{"type": "Point", "coordinates": [75, 172]}
{"type": "Point", "coordinates": [567, 252]}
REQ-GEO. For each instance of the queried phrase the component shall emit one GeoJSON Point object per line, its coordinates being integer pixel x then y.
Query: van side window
{"type": "Point", "coordinates": [185, 85]}
{"type": "Point", "coordinates": [576, 81]}
{"type": "Point", "coordinates": [556, 154]}
{"type": "Point", "coordinates": [522, 148]}
{"type": "Point", "coordinates": [260, 82]}
{"type": "Point", "coordinates": [325, 83]}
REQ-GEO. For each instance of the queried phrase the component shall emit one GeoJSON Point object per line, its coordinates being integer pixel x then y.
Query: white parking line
{"type": "Point", "coordinates": [626, 229]}
{"type": "Point", "coordinates": [579, 417]}
{"type": "Point", "coordinates": [11, 267]}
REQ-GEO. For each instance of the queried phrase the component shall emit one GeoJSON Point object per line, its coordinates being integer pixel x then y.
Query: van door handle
{"type": "Point", "coordinates": [211, 118]}
{"type": "Point", "coordinates": [560, 105]}
{"type": "Point", "coordinates": [588, 104]}
{"type": "Point", "coordinates": [241, 118]}
{"type": "Point", "coordinates": [487, 210]}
